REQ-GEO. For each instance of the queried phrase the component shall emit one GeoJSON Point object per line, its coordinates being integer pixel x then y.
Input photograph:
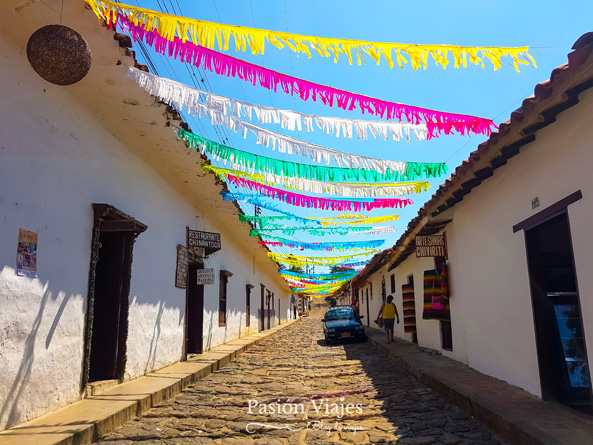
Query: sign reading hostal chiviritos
{"type": "Point", "coordinates": [431, 246]}
{"type": "Point", "coordinates": [205, 276]}
{"type": "Point", "coordinates": [208, 240]}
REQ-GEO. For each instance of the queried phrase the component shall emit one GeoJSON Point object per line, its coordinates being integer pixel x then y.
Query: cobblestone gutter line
{"type": "Point", "coordinates": [88, 419]}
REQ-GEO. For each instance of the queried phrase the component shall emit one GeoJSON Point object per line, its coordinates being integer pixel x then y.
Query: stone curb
{"type": "Point", "coordinates": [517, 425]}
{"type": "Point", "coordinates": [88, 419]}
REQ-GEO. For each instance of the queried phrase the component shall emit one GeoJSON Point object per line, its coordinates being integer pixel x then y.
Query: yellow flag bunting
{"type": "Point", "coordinates": [353, 220]}
{"type": "Point", "coordinates": [207, 34]}
{"type": "Point", "coordinates": [316, 261]}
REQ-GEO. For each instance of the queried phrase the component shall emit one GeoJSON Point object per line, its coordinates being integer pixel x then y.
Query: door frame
{"type": "Point", "coordinates": [408, 284]}
{"type": "Point", "coordinates": [368, 310]}
{"type": "Point", "coordinates": [120, 222]}
{"type": "Point", "coordinates": [557, 209]}
{"type": "Point", "coordinates": [268, 296]}
{"type": "Point", "coordinates": [193, 263]}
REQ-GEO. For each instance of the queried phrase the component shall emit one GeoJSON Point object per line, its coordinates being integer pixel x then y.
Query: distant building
{"type": "Point", "coordinates": [94, 170]}
{"type": "Point", "coordinates": [514, 302]}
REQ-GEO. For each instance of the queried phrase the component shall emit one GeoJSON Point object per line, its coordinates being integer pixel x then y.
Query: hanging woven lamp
{"type": "Point", "coordinates": [59, 54]}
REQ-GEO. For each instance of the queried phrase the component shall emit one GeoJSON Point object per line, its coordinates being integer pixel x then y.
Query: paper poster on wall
{"type": "Point", "coordinates": [26, 255]}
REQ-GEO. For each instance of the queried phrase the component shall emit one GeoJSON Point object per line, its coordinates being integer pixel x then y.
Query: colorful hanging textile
{"type": "Point", "coordinates": [445, 281]}
{"type": "Point", "coordinates": [315, 261]}
{"type": "Point", "coordinates": [360, 190]}
{"type": "Point", "coordinates": [206, 34]}
{"type": "Point", "coordinates": [318, 276]}
{"type": "Point", "coordinates": [219, 107]}
{"type": "Point", "coordinates": [436, 306]}
{"type": "Point", "coordinates": [326, 247]}
{"type": "Point", "coordinates": [241, 160]}
{"type": "Point", "coordinates": [321, 231]}
{"type": "Point", "coordinates": [231, 67]}
{"type": "Point", "coordinates": [409, 306]}
{"type": "Point", "coordinates": [313, 201]}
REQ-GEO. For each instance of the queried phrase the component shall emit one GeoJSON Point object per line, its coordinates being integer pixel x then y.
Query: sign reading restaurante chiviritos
{"type": "Point", "coordinates": [208, 240]}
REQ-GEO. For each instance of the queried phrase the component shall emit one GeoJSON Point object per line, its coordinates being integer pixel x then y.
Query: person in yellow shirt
{"type": "Point", "coordinates": [389, 313]}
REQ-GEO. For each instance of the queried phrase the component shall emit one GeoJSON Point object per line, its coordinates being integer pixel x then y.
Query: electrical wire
{"type": "Point", "coordinates": [495, 117]}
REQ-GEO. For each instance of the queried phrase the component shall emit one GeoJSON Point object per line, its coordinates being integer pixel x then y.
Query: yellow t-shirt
{"type": "Point", "coordinates": [389, 310]}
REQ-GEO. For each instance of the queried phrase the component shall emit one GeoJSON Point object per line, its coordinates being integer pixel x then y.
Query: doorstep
{"type": "Point", "coordinates": [96, 388]}
{"type": "Point", "coordinates": [510, 412]}
{"type": "Point", "coordinates": [90, 418]}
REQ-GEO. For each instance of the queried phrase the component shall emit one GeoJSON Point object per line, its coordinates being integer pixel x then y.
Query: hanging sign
{"type": "Point", "coordinates": [431, 246]}
{"type": "Point", "coordinates": [26, 254]}
{"type": "Point", "coordinates": [207, 240]}
{"type": "Point", "coordinates": [205, 276]}
{"type": "Point", "coordinates": [181, 270]}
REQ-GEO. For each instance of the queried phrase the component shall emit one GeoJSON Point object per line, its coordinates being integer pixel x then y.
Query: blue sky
{"type": "Point", "coordinates": [548, 28]}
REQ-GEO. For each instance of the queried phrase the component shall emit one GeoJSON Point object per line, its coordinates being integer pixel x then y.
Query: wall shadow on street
{"type": "Point", "coordinates": [417, 413]}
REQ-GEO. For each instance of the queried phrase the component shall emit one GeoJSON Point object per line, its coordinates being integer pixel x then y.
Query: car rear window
{"type": "Point", "coordinates": [340, 314]}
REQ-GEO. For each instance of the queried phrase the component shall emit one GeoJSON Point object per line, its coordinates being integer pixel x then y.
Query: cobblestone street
{"type": "Point", "coordinates": [345, 393]}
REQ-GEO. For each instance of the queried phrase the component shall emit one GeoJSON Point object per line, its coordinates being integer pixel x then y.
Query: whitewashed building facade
{"type": "Point", "coordinates": [516, 216]}
{"type": "Point", "coordinates": [95, 171]}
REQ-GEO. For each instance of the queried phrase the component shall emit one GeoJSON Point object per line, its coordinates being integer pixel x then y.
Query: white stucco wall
{"type": "Point", "coordinates": [241, 265]}
{"type": "Point", "coordinates": [41, 325]}
{"type": "Point", "coordinates": [491, 310]}
{"type": "Point", "coordinates": [41, 319]}
{"type": "Point", "coordinates": [490, 267]}
{"type": "Point", "coordinates": [55, 160]}
{"type": "Point", "coordinates": [376, 301]}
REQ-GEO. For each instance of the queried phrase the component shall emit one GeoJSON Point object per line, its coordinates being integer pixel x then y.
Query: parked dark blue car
{"type": "Point", "coordinates": [340, 323]}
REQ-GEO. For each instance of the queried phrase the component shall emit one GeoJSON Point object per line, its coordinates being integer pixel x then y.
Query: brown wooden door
{"type": "Point", "coordinates": [110, 312]}
{"type": "Point", "coordinates": [268, 297]}
{"type": "Point", "coordinates": [195, 310]}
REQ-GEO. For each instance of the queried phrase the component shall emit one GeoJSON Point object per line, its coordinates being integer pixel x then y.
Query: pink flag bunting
{"type": "Point", "coordinates": [320, 203]}
{"type": "Point", "coordinates": [222, 64]}
{"type": "Point", "coordinates": [271, 243]}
